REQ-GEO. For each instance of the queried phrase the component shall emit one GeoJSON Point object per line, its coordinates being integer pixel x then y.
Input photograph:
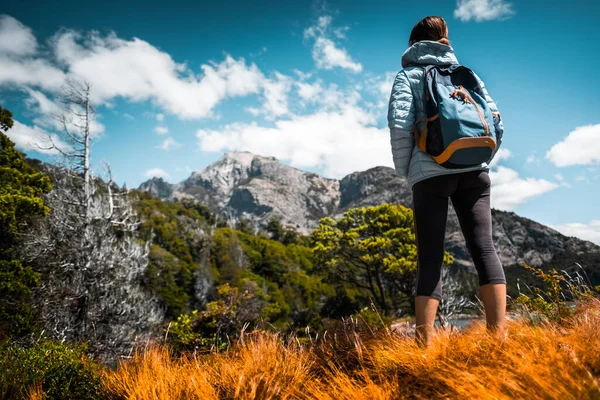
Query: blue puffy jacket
{"type": "Point", "coordinates": [407, 104]}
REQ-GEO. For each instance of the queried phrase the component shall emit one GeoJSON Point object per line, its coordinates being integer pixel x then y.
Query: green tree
{"type": "Point", "coordinates": [275, 229]}
{"type": "Point", "coordinates": [372, 253]}
{"type": "Point", "coordinates": [293, 292]}
{"type": "Point", "coordinates": [21, 191]}
{"type": "Point", "coordinates": [234, 310]}
{"type": "Point", "coordinates": [245, 225]}
{"type": "Point", "coordinates": [178, 232]}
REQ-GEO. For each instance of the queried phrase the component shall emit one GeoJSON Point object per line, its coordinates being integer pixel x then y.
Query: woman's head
{"type": "Point", "coordinates": [430, 28]}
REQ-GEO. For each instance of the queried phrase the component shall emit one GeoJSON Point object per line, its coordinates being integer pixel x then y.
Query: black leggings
{"type": "Point", "coordinates": [470, 194]}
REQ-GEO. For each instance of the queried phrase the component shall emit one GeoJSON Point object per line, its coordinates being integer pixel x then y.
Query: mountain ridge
{"type": "Point", "coordinates": [245, 185]}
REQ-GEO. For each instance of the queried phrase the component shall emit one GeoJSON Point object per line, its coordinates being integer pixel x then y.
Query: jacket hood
{"type": "Point", "coordinates": [428, 52]}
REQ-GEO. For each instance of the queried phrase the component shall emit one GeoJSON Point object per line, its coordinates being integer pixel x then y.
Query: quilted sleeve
{"type": "Point", "coordinates": [401, 118]}
{"type": "Point", "coordinates": [497, 118]}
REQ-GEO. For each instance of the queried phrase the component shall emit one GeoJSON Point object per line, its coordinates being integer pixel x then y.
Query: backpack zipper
{"type": "Point", "coordinates": [462, 92]}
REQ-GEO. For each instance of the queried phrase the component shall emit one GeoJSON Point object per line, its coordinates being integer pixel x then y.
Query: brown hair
{"type": "Point", "coordinates": [430, 28]}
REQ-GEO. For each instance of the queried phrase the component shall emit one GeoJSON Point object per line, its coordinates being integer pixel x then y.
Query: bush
{"type": "Point", "coordinates": [61, 371]}
{"type": "Point", "coordinates": [224, 319]}
{"type": "Point", "coordinates": [550, 301]}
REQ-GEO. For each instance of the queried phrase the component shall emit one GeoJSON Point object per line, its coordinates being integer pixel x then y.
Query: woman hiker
{"type": "Point", "coordinates": [424, 116]}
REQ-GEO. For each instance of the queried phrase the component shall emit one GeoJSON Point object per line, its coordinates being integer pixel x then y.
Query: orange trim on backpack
{"type": "Point", "coordinates": [465, 143]}
{"type": "Point", "coordinates": [421, 138]}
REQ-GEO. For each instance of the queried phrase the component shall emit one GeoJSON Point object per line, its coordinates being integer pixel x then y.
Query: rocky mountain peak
{"type": "Point", "coordinates": [157, 187]}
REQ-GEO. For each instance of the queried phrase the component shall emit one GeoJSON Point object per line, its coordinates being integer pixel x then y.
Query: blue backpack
{"type": "Point", "coordinates": [459, 128]}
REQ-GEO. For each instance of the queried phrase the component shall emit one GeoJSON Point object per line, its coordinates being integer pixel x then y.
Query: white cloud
{"type": "Point", "coordinates": [385, 85]}
{"type": "Point", "coordinates": [339, 142]}
{"type": "Point", "coordinates": [16, 38]}
{"type": "Point", "coordinates": [41, 104]}
{"type": "Point", "coordinates": [30, 72]}
{"type": "Point", "coordinates": [303, 75]}
{"type": "Point", "coordinates": [49, 110]}
{"type": "Point", "coordinates": [326, 53]}
{"type": "Point", "coordinates": [309, 92]}
{"type": "Point", "coordinates": [501, 155]}
{"type": "Point", "coordinates": [589, 231]}
{"type": "Point", "coordinates": [129, 117]}
{"type": "Point", "coordinates": [275, 94]}
{"type": "Point", "coordinates": [253, 110]}
{"type": "Point", "coordinates": [379, 87]}
{"type": "Point", "coordinates": [509, 190]}
{"type": "Point", "coordinates": [328, 56]}
{"type": "Point", "coordinates": [580, 147]}
{"type": "Point", "coordinates": [483, 10]}
{"type": "Point", "coordinates": [34, 138]}
{"type": "Point", "coordinates": [326, 98]}
{"type": "Point", "coordinates": [156, 172]}
{"type": "Point", "coordinates": [161, 130]}
{"type": "Point", "coordinates": [169, 143]}
{"type": "Point", "coordinates": [136, 70]}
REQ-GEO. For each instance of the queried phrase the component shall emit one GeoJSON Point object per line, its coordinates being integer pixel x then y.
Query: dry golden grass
{"type": "Point", "coordinates": [535, 362]}
{"type": "Point", "coordinates": [36, 393]}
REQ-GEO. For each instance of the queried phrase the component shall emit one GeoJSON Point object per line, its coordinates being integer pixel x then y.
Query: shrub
{"type": "Point", "coordinates": [225, 318]}
{"type": "Point", "coordinates": [550, 301]}
{"type": "Point", "coordinates": [61, 371]}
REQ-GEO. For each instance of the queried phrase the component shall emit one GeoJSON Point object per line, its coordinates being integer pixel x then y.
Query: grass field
{"type": "Point", "coordinates": [536, 361]}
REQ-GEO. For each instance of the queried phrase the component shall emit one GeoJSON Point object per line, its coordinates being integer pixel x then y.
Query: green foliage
{"type": "Point", "coordinates": [275, 229]}
{"type": "Point", "coordinates": [227, 257]}
{"type": "Point", "coordinates": [224, 319]}
{"type": "Point", "coordinates": [284, 272]}
{"type": "Point", "coordinates": [291, 236]}
{"type": "Point", "coordinates": [178, 231]}
{"type": "Point", "coordinates": [244, 225]}
{"type": "Point", "coordinates": [170, 278]}
{"type": "Point", "coordinates": [371, 251]}
{"type": "Point", "coordinates": [62, 371]}
{"type": "Point", "coordinates": [16, 282]}
{"type": "Point", "coordinates": [6, 121]}
{"type": "Point", "coordinates": [550, 300]}
{"type": "Point", "coordinates": [200, 209]}
{"type": "Point", "coordinates": [372, 318]}
{"type": "Point", "coordinates": [21, 191]}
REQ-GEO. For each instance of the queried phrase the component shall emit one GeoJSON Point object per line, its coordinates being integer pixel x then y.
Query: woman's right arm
{"type": "Point", "coordinates": [401, 120]}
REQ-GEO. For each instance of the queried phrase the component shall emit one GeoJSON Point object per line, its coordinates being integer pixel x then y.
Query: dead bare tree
{"type": "Point", "coordinates": [453, 299]}
{"type": "Point", "coordinates": [75, 121]}
{"type": "Point", "coordinates": [87, 248]}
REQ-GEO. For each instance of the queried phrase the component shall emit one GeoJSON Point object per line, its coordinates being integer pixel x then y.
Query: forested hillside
{"type": "Point", "coordinates": [243, 185]}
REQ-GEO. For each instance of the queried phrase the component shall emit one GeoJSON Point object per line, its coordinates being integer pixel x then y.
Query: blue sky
{"type": "Point", "coordinates": [177, 84]}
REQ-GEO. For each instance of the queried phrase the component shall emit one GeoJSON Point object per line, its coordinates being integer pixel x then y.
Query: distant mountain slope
{"type": "Point", "coordinates": [255, 187]}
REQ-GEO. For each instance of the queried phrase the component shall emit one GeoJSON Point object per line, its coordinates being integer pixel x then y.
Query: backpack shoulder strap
{"type": "Point", "coordinates": [429, 75]}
